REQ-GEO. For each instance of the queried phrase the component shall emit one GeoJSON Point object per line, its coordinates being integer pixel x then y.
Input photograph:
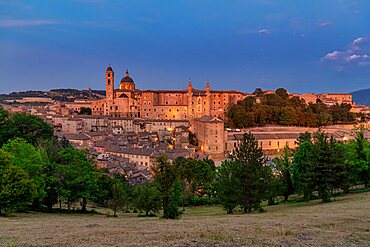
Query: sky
{"type": "Point", "coordinates": [304, 46]}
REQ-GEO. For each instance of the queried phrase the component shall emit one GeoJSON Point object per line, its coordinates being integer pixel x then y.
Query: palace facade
{"type": "Point", "coordinates": [186, 104]}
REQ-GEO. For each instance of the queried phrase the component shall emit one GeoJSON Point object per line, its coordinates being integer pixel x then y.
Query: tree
{"type": "Point", "coordinates": [302, 167]}
{"type": "Point", "coordinates": [85, 111]}
{"type": "Point", "coordinates": [228, 184]}
{"type": "Point", "coordinates": [29, 159]}
{"type": "Point", "coordinates": [196, 175]}
{"type": "Point", "coordinates": [147, 199]}
{"type": "Point", "coordinates": [284, 162]}
{"type": "Point", "coordinates": [16, 188]}
{"type": "Point", "coordinates": [282, 93]}
{"type": "Point", "coordinates": [319, 165]}
{"type": "Point", "coordinates": [28, 127]}
{"type": "Point", "coordinates": [120, 199]}
{"type": "Point", "coordinates": [175, 200]}
{"type": "Point", "coordinates": [50, 153]}
{"type": "Point", "coordinates": [357, 158]}
{"type": "Point", "coordinates": [79, 177]}
{"type": "Point", "coordinates": [255, 174]}
{"type": "Point", "coordinates": [258, 92]}
{"type": "Point", "coordinates": [165, 176]}
{"type": "Point", "coordinates": [4, 115]}
{"type": "Point", "coordinates": [328, 165]}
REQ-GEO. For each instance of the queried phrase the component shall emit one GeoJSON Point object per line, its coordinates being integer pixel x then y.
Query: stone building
{"type": "Point", "coordinates": [210, 133]}
{"type": "Point", "coordinates": [162, 104]}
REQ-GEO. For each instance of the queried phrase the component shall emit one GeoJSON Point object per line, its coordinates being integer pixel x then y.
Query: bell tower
{"type": "Point", "coordinates": [109, 83]}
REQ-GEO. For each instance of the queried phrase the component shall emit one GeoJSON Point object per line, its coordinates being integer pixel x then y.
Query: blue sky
{"type": "Point", "coordinates": [303, 46]}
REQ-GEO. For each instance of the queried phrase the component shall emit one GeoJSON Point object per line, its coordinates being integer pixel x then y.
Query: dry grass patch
{"type": "Point", "coordinates": [345, 222]}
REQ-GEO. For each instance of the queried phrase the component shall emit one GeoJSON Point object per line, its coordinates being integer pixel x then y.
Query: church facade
{"type": "Point", "coordinates": [185, 104]}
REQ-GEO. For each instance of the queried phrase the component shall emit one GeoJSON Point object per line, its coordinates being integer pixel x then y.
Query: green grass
{"type": "Point", "coordinates": [344, 222]}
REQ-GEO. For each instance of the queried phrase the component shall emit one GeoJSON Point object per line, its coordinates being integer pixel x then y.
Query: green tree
{"type": "Point", "coordinates": [175, 201]}
{"type": "Point", "coordinates": [258, 92]}
{"type": "Point", "coordinates": [255, 174]}
{"type": "Point", "coordinates": [50, 152]}
{"type": "Point", "coordinates": [283, 93]}
{"type": "Point", "coordinates": [29, 159]}
{"type": "Point", "coordinates": [302, 167]}
{"type": "Point", "coordinates": [4, 115]}
{"type": "Point", "coordinates": [85, 111]}
{"type": "Point", "coordinates": [357, 152]}
{"type": "Point", "coordinates": [121, 196]}
{"type": "Point", "coordinates": [79, 177]}
{"type": "Point", "coordinates": [16, 188]}
{"type": "Point", "coordinates": [165, 176]}
{"type": "Point", "coordinates": [228, 184]}
{"type": "Point", "coordinates": [328, 165]}
{"type": "Point", "coordinates": [28, 127]}
{"type": "Point", "coordinates": [147, 199]}
{"type": "Point", "coordinates": [284, 163]}
{"type": "Point", "coordinates": [196, 175]}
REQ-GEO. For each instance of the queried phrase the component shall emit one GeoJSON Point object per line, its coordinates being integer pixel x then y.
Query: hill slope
{"type": "Point", "coordinates": [362, 97]}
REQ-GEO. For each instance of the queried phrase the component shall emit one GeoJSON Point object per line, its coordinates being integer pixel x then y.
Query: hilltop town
{"type": "Point", "coordinates": [126, 129]}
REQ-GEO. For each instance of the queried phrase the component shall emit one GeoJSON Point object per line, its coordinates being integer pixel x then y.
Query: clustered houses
{"type": "Point", "coordinates": [130, 128]}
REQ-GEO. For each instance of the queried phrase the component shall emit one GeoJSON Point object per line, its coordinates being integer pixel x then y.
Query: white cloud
{"type": "Point", "coordinates": [264, 31]}
{"type": "Point", "coordinates": [14, 23]}
{"type": "Point", "coordinates": [359, 40]}
{"type": "Point", "coordinates": [324, 24]}
{"type": "Point", "coordinates": [357, 53]}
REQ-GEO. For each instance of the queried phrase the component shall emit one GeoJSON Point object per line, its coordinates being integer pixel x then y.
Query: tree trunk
{"type": "Point", "coordinates": [50, 207]}
{"type": "Point", "coordinates": [286, 198]}
{"type": "Point", "coordinates": [84, 203]}
{"type": "Point", "coordinates": [229, 210]}
{"type": "Point", "coordinates": [165, 206]}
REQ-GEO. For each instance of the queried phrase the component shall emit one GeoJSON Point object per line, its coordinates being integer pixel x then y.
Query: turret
{"type": "Point", "coordinates": [190, 99]}
{"type": "Point", "coordinates": [208, 88]}
{"type": "Point", "coordinates": [208, 100]}
{"type": "Point", "coordinates": [190, 88]}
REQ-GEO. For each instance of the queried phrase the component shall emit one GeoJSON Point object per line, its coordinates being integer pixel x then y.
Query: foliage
{"type": "Point", "coordinates": [197, 177]}
{"type": "Point", "coordinates": [85, 111]}
{"type": "Point", "coordinates": [28, 127]}
{"type": "Point", "coordinates": [284, 169]}
{"type": "Point", "coordinates": [228, 184]}
{"type": "Point", "coordinates": [16, 188]}
{"type": "Point", "coordinates": [279, 108]}
{"type": "Point", "coordinates": [28, 159]}
{"type": "Point", "coordinates": [244, 180]}
{"type": "Point", "coordinates": [78, 174]}
{"type": "Point", "coordinates": [319, 165]}
{"type": "Point", "coordinates": [193, 140]}
{"type": "Point", "coordinates": [173, 211]}
{"type": "Point", "coordinates": [120, 197]}
{"type": "Point", "coordinates": [255, 174]}
{"type": "Point", "coordinates": [165, 176]}
{"type": "Point", "coordinates": [358, 158]}
{"type": "Point", "coordinates": [147, 199]}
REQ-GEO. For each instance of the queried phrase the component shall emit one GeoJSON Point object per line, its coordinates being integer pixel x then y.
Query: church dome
{"type": "Point", "coordinates": [127, 82]}
{"type": "Point", "coordinates": [127, 78]}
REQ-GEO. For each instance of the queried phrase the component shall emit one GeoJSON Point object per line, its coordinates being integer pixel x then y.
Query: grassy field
{"type": "Point", "coordinates": [344, 222]}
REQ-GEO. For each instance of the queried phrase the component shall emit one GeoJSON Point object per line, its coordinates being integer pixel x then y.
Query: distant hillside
{"type": "Point", "coordinates": [362, 97]}
{"type": "Point", "coordinates": [64, 95]}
